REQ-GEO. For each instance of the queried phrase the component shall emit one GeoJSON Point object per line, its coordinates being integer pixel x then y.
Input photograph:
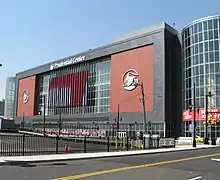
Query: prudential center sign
{"type": "Point", "coordinates": [67, 62]}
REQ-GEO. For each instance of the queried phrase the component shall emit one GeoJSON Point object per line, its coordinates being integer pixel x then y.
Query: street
{"type": "Point", "coordinates": [185, 165]}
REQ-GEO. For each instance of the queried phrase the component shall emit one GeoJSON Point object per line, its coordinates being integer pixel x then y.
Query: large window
{"type": "Point", "coordinates": [95, 95]}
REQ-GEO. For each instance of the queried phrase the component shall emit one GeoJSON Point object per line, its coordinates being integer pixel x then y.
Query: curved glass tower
{"type": "Point", "coordinates": [200, 40]}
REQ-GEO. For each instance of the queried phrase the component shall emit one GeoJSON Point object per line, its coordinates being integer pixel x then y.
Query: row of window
{"type": "Point", "coordinates": [91, 88]}
{"type": "Point", "coordinates": [98, 94]}
{"type": "Point", "coordinates": [207, 46]}
{"type": "Point", "coordinates": [201, 26]}
{"type": "Point", "coordinates": [207, 57]}
{"type": "Point", "coordinates": [207, 70]}
{"type": "Point", "coordinates": [76, 110]}
{"type": "Point", "coordinates": [205, 36]}
{"type": "Point", "coordinates": [99, 102]}
{"type": "Point", "coordinates": [200, 102]}
{"type": "Point", "coordinates": [200, 92]}
{"type": "Point", "coordinates": [92, 100]}
{"type": "Point", "coordinates": [98, 79]}
{"type": "Point", "coordinates": [199, 82]}
{"type": "Point", "coordinates": [213, 130]}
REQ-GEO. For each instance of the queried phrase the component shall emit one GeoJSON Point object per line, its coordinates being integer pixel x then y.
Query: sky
{"type": "Point", "coordinates": [34, 32]}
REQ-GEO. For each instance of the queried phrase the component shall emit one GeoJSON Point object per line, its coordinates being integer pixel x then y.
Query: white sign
{"type": "Point", "coordinates": [130, 80]}
{"type": "Point", "coordinates": [191, 128]}
{"type": "Point", "coordinates": [67, 62]}
{"type": "Point", "coordinates": [184, 140]}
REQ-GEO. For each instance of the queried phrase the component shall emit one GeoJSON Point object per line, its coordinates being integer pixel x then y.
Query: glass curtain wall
{"type": "Point", "coordinates": [10, 97]}
{"type": "Point", "coordinates": [94, 98]}
{"type": "Point", "coordinates": [201, 64]}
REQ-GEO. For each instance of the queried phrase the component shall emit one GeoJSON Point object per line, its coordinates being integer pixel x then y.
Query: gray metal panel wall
{"type": "Point", "coordinates": [173, 83]}
{"type": "Point", "coordinates": [157, 39]}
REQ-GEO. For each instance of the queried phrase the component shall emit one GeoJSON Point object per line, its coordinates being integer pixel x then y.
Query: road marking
{"type": "Point", "coordinates": [196, 178]}
{"type": "Point", "coordinates": [78, 176]}
{"type": "Point", "coordinates": [215, 159]}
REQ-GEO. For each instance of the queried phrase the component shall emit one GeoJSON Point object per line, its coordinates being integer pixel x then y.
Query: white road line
{"type": "Point", "coordinates": [195, 178]}
{"type": "Point", "coordinates": [215, 159]}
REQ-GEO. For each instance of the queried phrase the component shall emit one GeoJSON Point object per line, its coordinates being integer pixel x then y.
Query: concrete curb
{"type": "Point", "coordinates": [19, 162]}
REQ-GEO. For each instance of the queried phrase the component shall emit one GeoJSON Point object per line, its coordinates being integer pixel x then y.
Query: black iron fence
{"type": "Point", "coordinates": [23, 144]}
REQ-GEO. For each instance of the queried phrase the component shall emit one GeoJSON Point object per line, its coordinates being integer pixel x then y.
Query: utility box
{"type": "Point", "coordinates": [6, 124]}
{"type": "Point", "coordinates": [151, 141]}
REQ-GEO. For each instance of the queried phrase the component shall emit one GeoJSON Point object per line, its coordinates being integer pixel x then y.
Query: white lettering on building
{"type": "Point", "coordinates": [67, 62]}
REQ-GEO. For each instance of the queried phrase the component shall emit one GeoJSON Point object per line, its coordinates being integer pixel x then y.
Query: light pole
{"type": "Point", "coordinates": [143, 105]}
{"type": "Point", "coordinates": [118, 117]}
{"type": "Point", "coordinates": [206, 141]}
{"type": "Point", "coordinates": [23, 122]}
{"type": "Point", "coordinates": [194, 115]}
{"type": "Point", "coordinates": [44, 100]}
{"type": "Point", "coordinates": [60, 122]}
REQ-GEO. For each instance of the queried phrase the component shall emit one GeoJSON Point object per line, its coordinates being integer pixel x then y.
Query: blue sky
{"type": "Point", "coordinates": [33, 32]}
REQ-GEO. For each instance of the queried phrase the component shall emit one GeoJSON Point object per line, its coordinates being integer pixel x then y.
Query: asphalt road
{"type": "Point", "coordinates": [188, 165]}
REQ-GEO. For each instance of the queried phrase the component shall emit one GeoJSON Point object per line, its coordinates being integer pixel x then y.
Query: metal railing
{"type": "Point", "coordinates": [23, 144]}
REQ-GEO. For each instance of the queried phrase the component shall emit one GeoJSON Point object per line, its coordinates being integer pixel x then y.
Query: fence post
{"type": "Point", "coordinates": [57, 144]}
{"type": "Point", "coordinates": [108, 144]}
{"type": "Point", "coordinates": [124, 143]}
{"type": "Point", "coordinates": [131, 143]}
{"type": "Point", "coordinates": [84, 144]}
{"type": "Point", "coordinates": [23, 144]}
{"type": "Point", "coordinates": [116, 142]}
{"type": "Point", "coordinates": [144, 143]}
{"type": "Point", "coordinates": [127, 143]}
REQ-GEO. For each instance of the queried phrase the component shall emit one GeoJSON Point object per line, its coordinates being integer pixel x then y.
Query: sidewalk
{"type": "Point", "coordinates": [77, 156]}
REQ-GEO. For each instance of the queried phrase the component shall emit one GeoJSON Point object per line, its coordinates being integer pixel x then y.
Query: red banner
{"type": "Point", "coordinates": [68, 90]}
{"type": "Point", "coordinates": [188, 115]}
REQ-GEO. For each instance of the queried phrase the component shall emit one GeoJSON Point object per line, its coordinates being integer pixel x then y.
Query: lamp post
{"type": "Point", "coordinates": [194, 112]}
{"type": "Point", "coordinates": [23, 122]}
{"type": "Point", "coordinates": [60, 123]}
{"type": "Point", "coordinates": [44, 117]}
{"type": "Point", "coordinates": [206, 141]}
{"type": "Point", "coordinates": [143, 105]}
{"type": "Point", "coordinates": [118, 117]}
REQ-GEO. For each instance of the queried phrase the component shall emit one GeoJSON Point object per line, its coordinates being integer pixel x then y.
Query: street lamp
{"type": "Point", "coordinates": [194, 114]}
{"type": "Point", "coordinates": [0, 65]}
{"type": "Point", "coordinates": [206, 141]}
{"type": "Point", "coordinates": [143, 105]}
{"type": "Point", "coordinates": [194, 119]}
{"type": "Point", "coordinates": [44, 116]}
{"type": "Point", "coordinates": [60, 122]}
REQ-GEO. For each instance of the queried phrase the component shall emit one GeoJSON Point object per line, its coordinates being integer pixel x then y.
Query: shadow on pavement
{"type": "Point", "coordinates": [26, 164]}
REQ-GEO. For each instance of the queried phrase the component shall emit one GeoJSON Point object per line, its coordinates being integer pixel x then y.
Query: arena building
{"type": "Point", "coordinates": [101, 88]}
